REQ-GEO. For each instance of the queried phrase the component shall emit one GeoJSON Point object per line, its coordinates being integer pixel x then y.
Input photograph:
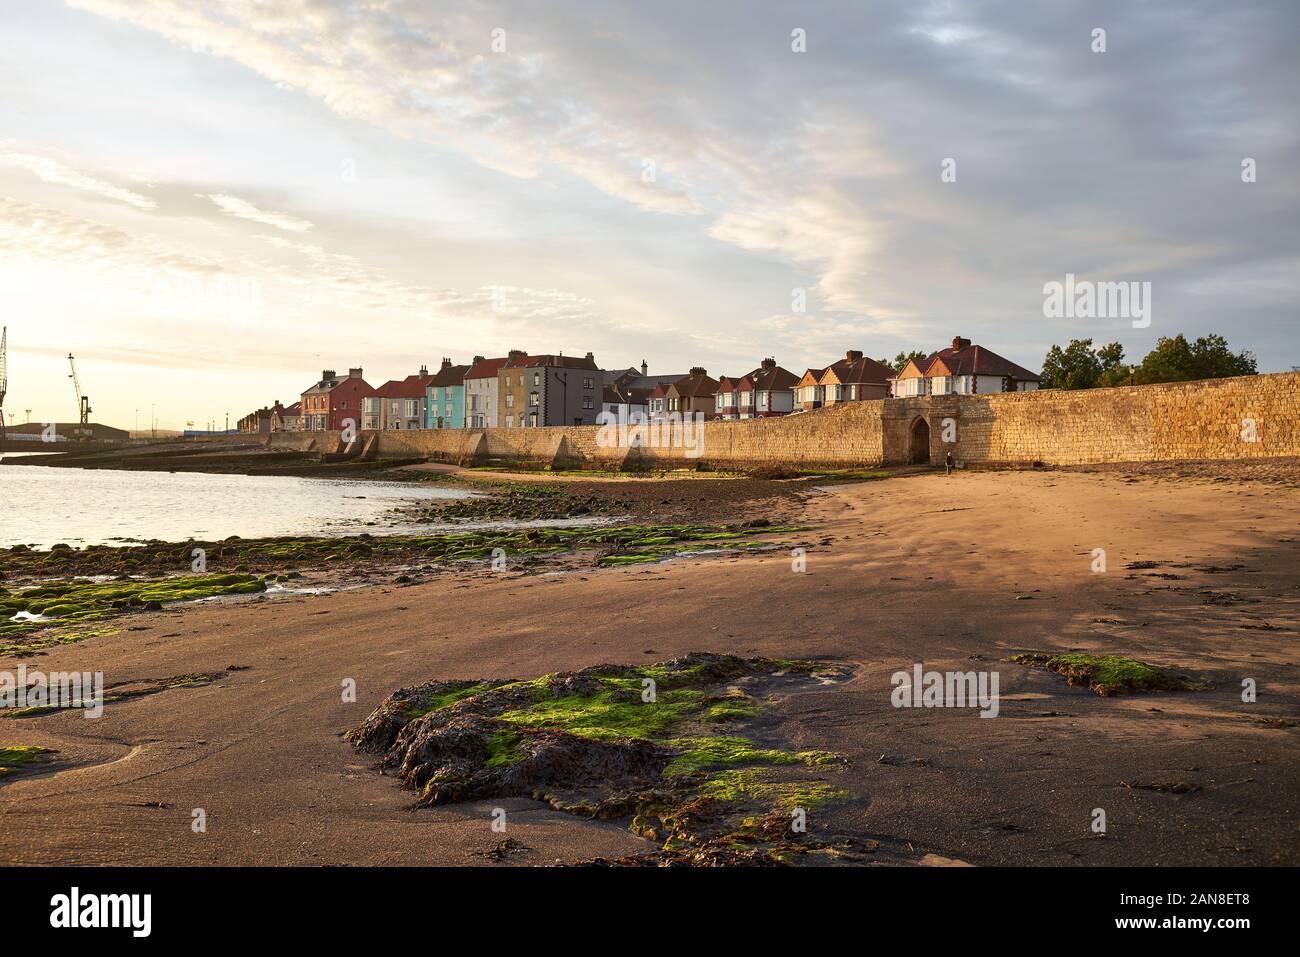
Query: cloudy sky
{"type": "Point", "coordinates": [210, 202]}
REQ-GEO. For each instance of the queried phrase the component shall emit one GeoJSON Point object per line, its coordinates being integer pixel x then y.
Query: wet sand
{"type": "Point", "coordinates": [957, 573]}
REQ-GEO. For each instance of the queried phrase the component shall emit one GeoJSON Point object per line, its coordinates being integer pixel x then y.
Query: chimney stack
{"type": "Point", "coordinates": [424, 369]}
{"type": "Point", "coordinates": [958, 344]}
{"type": "Point", "coordinates": [354, 373]}
{"type": "Point", "coordinates": [698, 370]}
{"type": "Point", "coordinates": [768, 363]}
{"type": "Point", "coordinates": [853, 355]}
{"type": "Point", "coordinates": [516, 354]}
{"type": "Point", "coordinates": [591, 357]}
{"type": "Point", "coordinates": [326, 374]}
{"type": "Point", "coordinates": [446, 362]}
{"type": "Point", "coordinates": [478, 359]}
{"type": "Point", "coordinates": [645, 369]}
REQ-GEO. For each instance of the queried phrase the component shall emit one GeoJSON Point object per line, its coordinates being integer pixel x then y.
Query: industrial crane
{"type": "Point", "coordinates": [83, 401]}
{"type": "Point", "coordinates": [4, 376]}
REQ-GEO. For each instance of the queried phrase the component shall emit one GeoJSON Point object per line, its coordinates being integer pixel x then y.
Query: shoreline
{"type": "Point", "coordinates": [1216, 604]}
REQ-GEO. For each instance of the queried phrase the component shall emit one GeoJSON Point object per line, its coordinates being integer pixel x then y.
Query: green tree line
{"type": "Point", "coordinates": [1080, 366]}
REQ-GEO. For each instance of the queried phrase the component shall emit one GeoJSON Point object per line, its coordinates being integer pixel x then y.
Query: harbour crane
{"type": "Point", "coordinates": [4, 376]}
{"type": "Point", "coordinates": [83, 401]}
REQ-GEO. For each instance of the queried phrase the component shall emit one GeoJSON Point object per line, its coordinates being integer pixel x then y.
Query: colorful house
{"type": "Point", "coordinates": [398, 403]}
{"type": "Point", "coordinates": [549, 390]}
{"type": "Point", "coordinates": [335, 402]}
{"type": "Point", "coordinates": [481, 391]}
{"type": "Point", "coordinates": [446, 397]}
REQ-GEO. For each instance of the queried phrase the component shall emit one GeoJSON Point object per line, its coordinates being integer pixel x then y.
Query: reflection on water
{"type": "Point", "coordinates": [42, 506]}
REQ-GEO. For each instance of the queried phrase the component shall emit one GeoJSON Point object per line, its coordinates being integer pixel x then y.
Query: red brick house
{"type": "Point", "coordinates": [334, 401]}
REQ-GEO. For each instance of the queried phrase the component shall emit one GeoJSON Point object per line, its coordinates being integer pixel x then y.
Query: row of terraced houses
{"type": "Point", "coordinates": [519, 390]}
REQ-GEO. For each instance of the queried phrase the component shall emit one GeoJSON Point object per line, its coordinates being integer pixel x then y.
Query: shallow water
{"type": "Point", "coordinates": [43, 506]}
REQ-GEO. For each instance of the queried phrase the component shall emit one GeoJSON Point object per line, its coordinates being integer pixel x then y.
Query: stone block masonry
{"type": "Point", "coordinates": [1210, 419]}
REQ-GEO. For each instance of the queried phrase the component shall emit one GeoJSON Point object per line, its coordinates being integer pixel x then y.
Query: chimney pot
{"type": "Point", "coordinates": [446, 363]}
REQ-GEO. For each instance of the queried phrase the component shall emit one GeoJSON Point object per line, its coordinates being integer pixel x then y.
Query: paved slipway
{"type": "Point", "coordinates": [918, 569]}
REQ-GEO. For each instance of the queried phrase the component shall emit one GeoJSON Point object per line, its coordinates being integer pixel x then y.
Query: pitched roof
{"type": "Point", "coordinates": [730, 384]}
{"type": "Point", "coordinates": [695, 385]}
{"type": "Point", "coordinates": [487, 369]}
{"type": "Point", "coordinates": [412, 387]}
{"type": "Point", "coordinates": [975, 360]}
{"type": "Point", "coordinates": [449, 375]}
{"type": "Point", "coordinates": [812, 376]}
{"type": "Point", "coordinates": [648, 382]}
{"type": "Point", "coordinates": [563, 362]}
{"type": "Point", "coordinates": [772, 378]}
{"type": "Point", "coordinates": [856, 369]}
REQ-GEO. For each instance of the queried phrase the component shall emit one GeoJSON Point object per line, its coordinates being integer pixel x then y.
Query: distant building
{"type": "Point", "coordinates": [481, 389]}
{"type": "Point", "coordinates": [694, 393]}
{"type": "Point", "coordinates": [624, 402]}
{"type": "Point", "coordinates": [962, 369]}
{"type": "Point", "coordinates": [398, 403]}
{"type": "Point", "coordinates": [446, 397]}
{"type": "Point", "coordinates": [854, 378]}
{"type": "Point", "coordinates": [261, 421]}
{"type": "Point", "coordinates": [549, 390]}
{"type": "Point", "coordinates": [289, 419]}
{"type": "Point", "coordinates": [335, 401]}
{"type": "Point", "coordinates": [765, 392]}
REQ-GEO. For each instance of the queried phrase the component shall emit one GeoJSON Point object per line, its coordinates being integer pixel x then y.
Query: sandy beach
{"type": "Point", "coordinates": [954, 573]}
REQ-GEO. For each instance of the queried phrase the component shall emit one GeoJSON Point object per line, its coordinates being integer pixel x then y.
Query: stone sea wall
{"type": "Point", "coordinates": [1246, 417]}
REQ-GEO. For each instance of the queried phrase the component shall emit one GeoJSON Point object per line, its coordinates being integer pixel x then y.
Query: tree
{"type": "Point", "coordinates": [1177, 360]}
{"type": "Point", "coordinates": [902, 359]}
{"type": "Point", "coordinates": [1080, 366]}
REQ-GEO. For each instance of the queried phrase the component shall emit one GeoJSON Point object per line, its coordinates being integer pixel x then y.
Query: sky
{"type": "Point", "coordinates": [209, 203]}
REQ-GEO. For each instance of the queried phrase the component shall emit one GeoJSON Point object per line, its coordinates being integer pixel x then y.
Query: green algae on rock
{"type": "Point", "coordinates": [59, 603]}
{"type": "Point", "coordinates": [1111, 674]}
{"type": "Point", "coordinates": [615, 741]}
{"type": "Point", "coordinates": [649, 542]}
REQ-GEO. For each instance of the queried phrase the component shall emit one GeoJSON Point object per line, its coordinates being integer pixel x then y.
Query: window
{"type": "Point", "coordinates": [510, 421]}
{"type": "Point", "coordinates": [533, 400]}
{"type": "Point", "coordinates": [586, 402]}
{"type": "Point", "coordinates": [510, 400]}
{"type": "Point", "coordinates": [537, 378]}
{"type": "Point", "coordinates": [586, 384]}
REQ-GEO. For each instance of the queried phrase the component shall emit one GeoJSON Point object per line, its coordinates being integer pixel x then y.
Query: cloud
{"type": "Point", "coordinates": [243, 209]}
{"type": "Point", "coordinates": [826, 164]}
{"type": "Point", "coordinates": [54, 171]}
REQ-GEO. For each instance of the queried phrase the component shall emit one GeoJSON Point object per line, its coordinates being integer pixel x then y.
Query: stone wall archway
{"type": "Point", "coordinates": [919, 445]}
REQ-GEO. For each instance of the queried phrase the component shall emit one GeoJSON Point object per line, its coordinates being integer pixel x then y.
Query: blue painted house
{"type": "Point", "coordinates": [445, 408]}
